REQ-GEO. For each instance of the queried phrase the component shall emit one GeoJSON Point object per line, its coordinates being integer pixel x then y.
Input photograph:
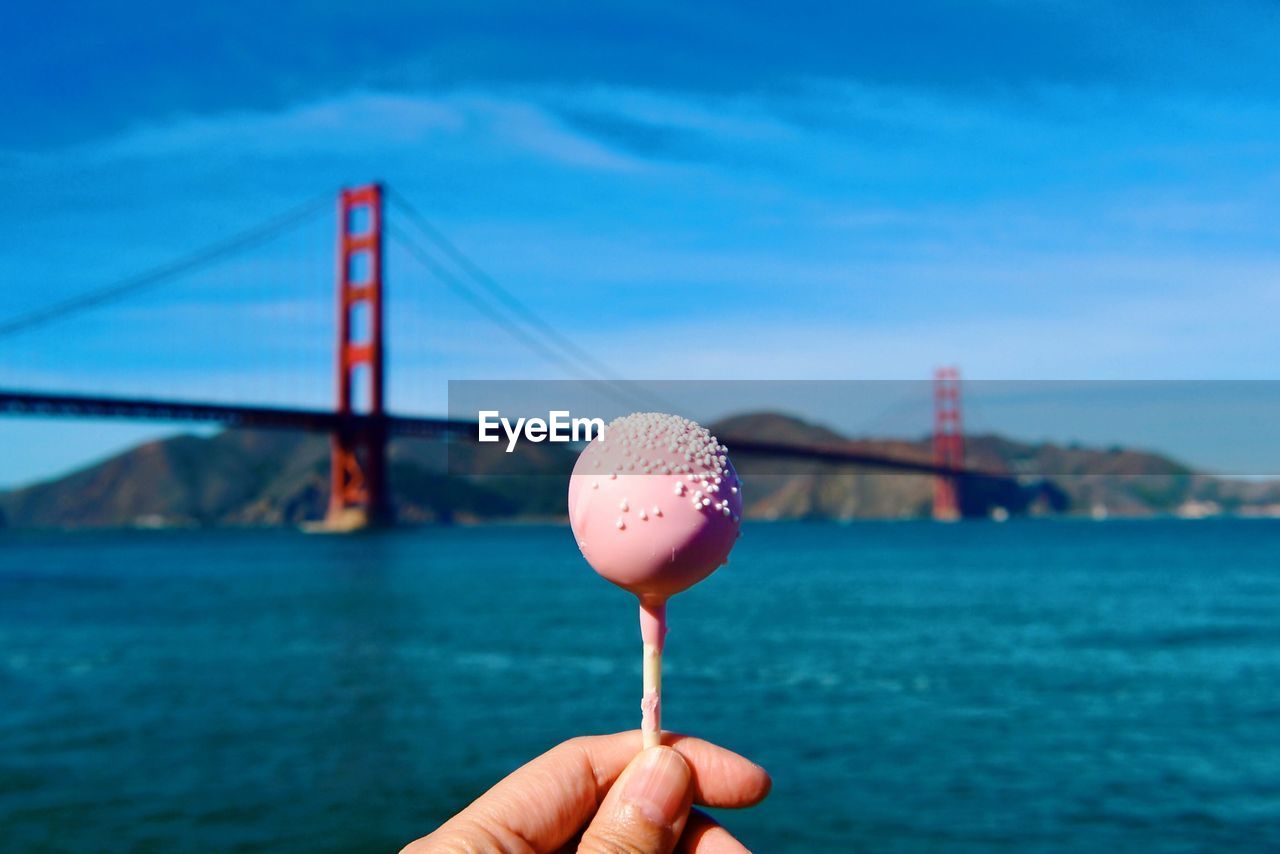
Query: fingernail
{"type": "Point", "coordinates": [657, 785]}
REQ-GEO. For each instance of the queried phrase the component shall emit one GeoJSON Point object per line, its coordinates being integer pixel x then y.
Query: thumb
{"type": "Point", "coordinates": [645, 810]}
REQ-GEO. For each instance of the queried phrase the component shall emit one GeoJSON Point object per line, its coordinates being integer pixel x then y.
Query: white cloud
{"type": "Point", "coordinates": [357, 123]}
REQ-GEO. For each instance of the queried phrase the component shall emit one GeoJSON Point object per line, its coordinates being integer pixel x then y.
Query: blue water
{"type": "Point", "coordinates": [1040, 686]}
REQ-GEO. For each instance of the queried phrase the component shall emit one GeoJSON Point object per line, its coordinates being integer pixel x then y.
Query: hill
{"type": "Point", "coordinates": [242, 477]}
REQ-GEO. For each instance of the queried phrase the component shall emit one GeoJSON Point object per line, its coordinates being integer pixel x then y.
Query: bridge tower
{"type": "Point", "coordinates": [358, 490]}
{"type": "Point", "coordinates": [948, 443]}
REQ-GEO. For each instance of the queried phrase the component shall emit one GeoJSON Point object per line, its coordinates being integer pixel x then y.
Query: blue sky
{"type": "Point", "coordinates": [1028, 189]}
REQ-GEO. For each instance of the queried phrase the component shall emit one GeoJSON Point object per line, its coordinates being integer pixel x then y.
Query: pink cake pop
{"type": "Point", "coordinates": [655, 506]}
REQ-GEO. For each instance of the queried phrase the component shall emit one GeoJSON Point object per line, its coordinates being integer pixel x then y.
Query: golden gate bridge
{"type": "Point", "coordinates": [359, 424]}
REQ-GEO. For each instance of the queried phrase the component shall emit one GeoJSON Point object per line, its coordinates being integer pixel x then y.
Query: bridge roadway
{"type": "Point", "coordinates": [327, 421]}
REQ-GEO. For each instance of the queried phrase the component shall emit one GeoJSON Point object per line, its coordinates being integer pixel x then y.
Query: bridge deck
{"type": "Point", "coordinates": [326, 421]}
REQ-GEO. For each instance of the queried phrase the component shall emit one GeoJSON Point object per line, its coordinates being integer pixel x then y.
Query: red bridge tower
{"type": "Point", "coordinates": [948, 443]}
{"type": "Point", "coordinates": [358, 491]}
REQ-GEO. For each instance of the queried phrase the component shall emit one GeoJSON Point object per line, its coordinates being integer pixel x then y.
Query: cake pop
{"type": "Point", "coordinates": [655, 506]}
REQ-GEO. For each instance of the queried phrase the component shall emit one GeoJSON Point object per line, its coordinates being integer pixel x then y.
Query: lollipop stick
{"type": "Point", "coordinates": [651, 705]}
{"type": "Point", "coordinates": [653, 630]}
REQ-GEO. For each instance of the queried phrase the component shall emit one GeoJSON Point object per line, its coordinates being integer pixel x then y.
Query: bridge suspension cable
{"type": "Point", "coordinates": [548, 343]}
{"type": "Point", "coordinates": [188, 263]}
{"type": "Point", "coordinates": [490, 284]}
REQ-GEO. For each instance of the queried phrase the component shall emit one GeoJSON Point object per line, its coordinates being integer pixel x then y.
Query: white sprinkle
{"type": "Point", "coordinates": [679, 488]}
{"type": "Point", "coordinates": [657, 511]}
{"type": "Point", "coordinates": [620, 524]}
{"type": "Point", "coordinates": [725, 509]}
{"type": "Point", "coordinates": [706, 501]}
{"type": "Point", "coordinates": [643, 515]}
{"type": "Point", "coordinates": [595, 484]}
{"type": "Point", "coordinates": [623, 506]}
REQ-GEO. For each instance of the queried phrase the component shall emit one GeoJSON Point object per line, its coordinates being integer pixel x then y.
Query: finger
{"type": "Point", "coordinates": [721, 778]}
{"type": "Point", "coordinates": [704, 835]}
{"type": "Point", "coordinates": [646, 809]}
{"type": "Point", "coordinates": [547, 801]}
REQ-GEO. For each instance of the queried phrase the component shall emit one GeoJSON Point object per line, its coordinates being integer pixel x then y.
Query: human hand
{"type": "Point", "coordinates": [606, 795]}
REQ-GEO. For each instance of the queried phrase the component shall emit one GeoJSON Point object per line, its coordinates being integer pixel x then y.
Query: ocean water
{"type": "Point", "coordinates": [1039, 686]}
